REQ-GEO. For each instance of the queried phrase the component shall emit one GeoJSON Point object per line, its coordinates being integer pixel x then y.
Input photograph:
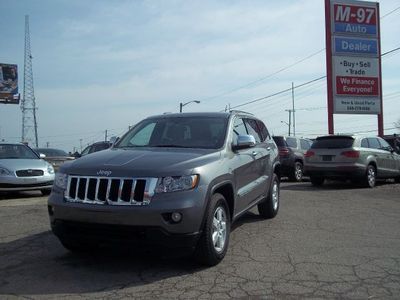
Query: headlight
{"type": "Point", "coordinates": [50, 169]}
{"type": "Point", "coordinates": [5, 172]}
{"type": "Point", "coordinates": [61, 180]}
{"type": "Point", "coordinates": [176, 183]}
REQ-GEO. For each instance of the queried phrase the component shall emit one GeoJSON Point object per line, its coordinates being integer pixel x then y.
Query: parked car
{"type": "Point", "coordinates": [176, 180]}
{"type": "Point", "coordinates": [54, 156]}
{"type": "Point", "coordinates": [360, 159]}
{"type": "Point", "coordinates": [394, 141]}
{"type": "Point", "coordinates": [291, 155]}
{"type": "Point", "coordinates": [95, 147]}
{"type": "Point", "coordinates": [21, 169]}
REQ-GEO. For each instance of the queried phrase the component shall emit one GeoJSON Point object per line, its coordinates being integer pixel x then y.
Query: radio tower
{"type": "Point", "coordinates": [28, 105]}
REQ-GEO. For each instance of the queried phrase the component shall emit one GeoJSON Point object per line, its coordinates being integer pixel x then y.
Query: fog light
{"type": "Point", "coordinates": [176, 217]}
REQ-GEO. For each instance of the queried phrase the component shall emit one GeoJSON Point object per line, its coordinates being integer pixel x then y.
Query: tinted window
{"type": "Point", "coordinates": [364, 143]}
{"type": "Point", "coordinates": [384, 144]}
{"type": "Point", "coordinates": [252, 128]}
{"type": "Point", "coordinates": [279, 141]}
{"type": "Point", "coordinates": [291, 142]}
{"type": "Point", "coordinates": [305, 144]}
{"type": "Point", "coordinates": [179, 132]}
{"type": "Point", "coordinates": [374, 143]}
{"type": "Point", "coordinates": [263, 130]}
{"type": "Point", "coordinates": [238, 129]}
{"type": "Point", "coordinates": [333, 143]}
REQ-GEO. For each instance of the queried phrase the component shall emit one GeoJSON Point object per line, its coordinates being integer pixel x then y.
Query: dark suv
{"type": "Point", "coordinates": [175, 180]}
{"type": "Point", "coordinates": [291, 154]}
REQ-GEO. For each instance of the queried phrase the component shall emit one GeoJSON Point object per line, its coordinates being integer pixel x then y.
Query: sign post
{"type": "Point", "coordinates": [353, 59]}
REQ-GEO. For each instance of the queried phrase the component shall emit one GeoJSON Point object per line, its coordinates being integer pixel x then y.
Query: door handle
{"type": "Point", "coordinates": [268, 148]}
{"type": "Point", "coordinates": [254, 153]}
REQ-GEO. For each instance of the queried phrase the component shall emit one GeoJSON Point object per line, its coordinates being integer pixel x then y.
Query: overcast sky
{"type": "Point", "coordinates": [105, 65]}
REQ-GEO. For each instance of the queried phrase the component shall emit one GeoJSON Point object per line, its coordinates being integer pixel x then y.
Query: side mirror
{"type": "Point", "coordinates": [244, 142]}
{"type": "Point", "coordinates": [42, 156]}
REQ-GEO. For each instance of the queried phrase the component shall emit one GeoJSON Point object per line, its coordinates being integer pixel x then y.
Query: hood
{"type": "Point", "coordinates": [23, 164]}
{"type": "Point", "coordinates": [141, 162]}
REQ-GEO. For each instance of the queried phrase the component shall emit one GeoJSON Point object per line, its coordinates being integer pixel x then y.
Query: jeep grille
{"type": "Point", "coordinates": [113, 191]}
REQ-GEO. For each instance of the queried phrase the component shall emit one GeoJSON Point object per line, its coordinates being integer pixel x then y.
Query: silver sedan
{"type": "Point", "coordinates": [21, 169]}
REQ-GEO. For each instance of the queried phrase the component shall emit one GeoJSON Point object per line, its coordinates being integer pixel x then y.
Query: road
{"type": "Point", "coordinates": [337, 241]}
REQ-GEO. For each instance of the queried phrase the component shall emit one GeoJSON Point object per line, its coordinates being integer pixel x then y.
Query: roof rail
{"type": "Point", "coordinates": [240, 111]}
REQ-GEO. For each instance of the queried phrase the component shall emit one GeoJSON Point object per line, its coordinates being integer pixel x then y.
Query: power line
{"type": "Point", "coordinates": [278, 93]}
{"type": "Point", "coordinates": [263, 78]}
{"type": "Point", "coordinates": [390, 12]}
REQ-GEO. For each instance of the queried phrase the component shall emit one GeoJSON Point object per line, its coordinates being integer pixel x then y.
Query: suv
{"type": "Point", "coordinates": [361, 159]}
{"type": "Point", "coordinates": [172, 180]}
{"type": "Point", "coordinates": [291, 155]}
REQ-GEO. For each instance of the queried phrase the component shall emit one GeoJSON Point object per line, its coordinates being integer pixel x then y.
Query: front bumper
{"type": "Point", "coordinates": [9, 183]}
{"type": "Point", "coordinates": [146, 224]}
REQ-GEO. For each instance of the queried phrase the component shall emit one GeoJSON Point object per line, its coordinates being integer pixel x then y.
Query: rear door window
{"type": "Point", "coordinates": [333, 143]}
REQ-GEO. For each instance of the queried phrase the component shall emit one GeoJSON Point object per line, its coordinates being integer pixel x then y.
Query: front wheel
{"type": "Point", "coordinates": [214, 240]}
{"type": "Point", "coordinates": [268, 209]}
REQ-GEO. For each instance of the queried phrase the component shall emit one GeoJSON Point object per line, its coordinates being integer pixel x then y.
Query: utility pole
{"type": "Point", "coordinates": [80, 140]}
{"type": "Point", "coordinates": [290, 119]}
{"type": "Point", "coordinates": [28, 105]}
{"type": "Point", "coordinates": [105, 137]}
{"type": "Point", "coordinates": [47, 144]}
{"type": "Point", "coordinates": [294, 111]}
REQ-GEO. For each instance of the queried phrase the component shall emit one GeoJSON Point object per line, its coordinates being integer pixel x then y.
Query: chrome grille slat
{"type": "Point", "coordinates": [127, 194]}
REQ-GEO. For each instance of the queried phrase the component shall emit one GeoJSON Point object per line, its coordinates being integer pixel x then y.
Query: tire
{"type": "Point", "coordinates": [369, 179]}
{"type": "Point", "coordinates": [317, 180]}
{"type": "Point", "coordinates": [269, 208]}
{"type": "Point", "coordinates": [45, 192]}
{"type": "Point", "coordinates": [297, 172]}
{"type": "Point", "coordinates": [214, 240]}
{"type": "Point", "coordinates": [397, 179]}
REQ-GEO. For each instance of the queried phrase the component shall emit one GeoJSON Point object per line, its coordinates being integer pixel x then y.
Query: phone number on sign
{"type": "Point", "coordinates": [362, 108]}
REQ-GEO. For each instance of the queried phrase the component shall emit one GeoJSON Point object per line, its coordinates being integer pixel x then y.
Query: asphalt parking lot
{"type": "Point", "coordinates": [337, 241]}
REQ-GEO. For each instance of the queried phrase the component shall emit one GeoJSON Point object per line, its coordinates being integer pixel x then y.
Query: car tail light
{"type": "Point", "coordinates": [351, 154]}
{"type": "Point", "coordinates": [309, 153]}
{"type": "Point", "coordinates": [284, 152]}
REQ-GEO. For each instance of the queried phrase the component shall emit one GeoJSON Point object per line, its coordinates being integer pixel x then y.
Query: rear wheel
{"type": "Point", "coordinates": [268, 209]}
{"type": "Point", "coordinates": [317, 180]}
{"type": "Point", "coordinates": [369, 179]}
{"type": "Point", "coordinates": [214, 240]}
{"type": "Point", "coordinates": [397, 179]}
{"type": "Point", "coordinates": [297, 173]}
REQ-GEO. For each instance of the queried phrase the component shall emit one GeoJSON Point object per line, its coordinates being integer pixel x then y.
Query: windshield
{"type": "Point", "coordinates": [178, 132]}
{"type": "Point", "coordinates": [51, 152]}
{"type": "Point", "coordinates": [9, 151]}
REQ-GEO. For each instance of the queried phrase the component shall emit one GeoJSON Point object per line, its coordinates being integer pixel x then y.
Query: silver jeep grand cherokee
{"type": "Point", "coordinates": [176, 180]}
